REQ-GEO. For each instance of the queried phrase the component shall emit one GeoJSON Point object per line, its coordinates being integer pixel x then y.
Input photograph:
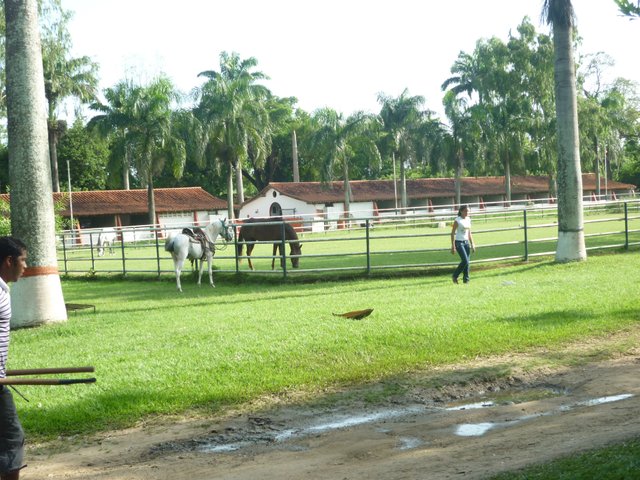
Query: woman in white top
{"type": "Point", "coordinates": [462, 242]}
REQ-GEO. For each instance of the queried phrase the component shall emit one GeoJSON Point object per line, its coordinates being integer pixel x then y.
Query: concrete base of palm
{"type": "Point", "coordinates": [570, 247]}
{"type": "Point", "coordinates": [36, 300]}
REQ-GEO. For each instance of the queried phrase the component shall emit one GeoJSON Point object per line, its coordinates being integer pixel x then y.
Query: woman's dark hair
{"type": "Point", "coordinates": [11, 247]}
{"type": "Point", "coordinates": [462, 207]}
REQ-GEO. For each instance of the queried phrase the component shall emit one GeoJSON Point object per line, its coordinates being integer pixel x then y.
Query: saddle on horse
{"type": "Point", "coordinates": [197, 235]}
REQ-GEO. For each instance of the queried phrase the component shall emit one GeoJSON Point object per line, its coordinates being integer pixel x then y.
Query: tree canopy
{"type": "Point", "coordinates": [234, 136]}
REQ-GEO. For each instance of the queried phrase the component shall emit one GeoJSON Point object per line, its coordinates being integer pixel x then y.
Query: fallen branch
{"type": "Point", "coordinates": [45, 381]}
{"type": "Point", "coordinates": [48, 371]}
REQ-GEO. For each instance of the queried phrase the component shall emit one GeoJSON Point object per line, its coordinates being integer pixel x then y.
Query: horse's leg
{"type": "Point", "coordinates": [209, 262]}
{"type": "Point", "coordinates": [177, 264]}
{"type": "Point", "coordinates": [276, 247]}
{"type": "Point", "coordinates": [249, 250]}
{"type": "Point", "coordinates": [200, 271]}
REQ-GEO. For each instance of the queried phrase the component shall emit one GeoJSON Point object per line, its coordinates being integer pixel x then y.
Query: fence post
{"type": "Point", "coordinates": [526, 237]}
{"type": "Point", "coordinates": [64, 253]}
{"type": "Point", "coordinates": [235, 247]}
{"type": "Point", "coordinates": [124, 268]}
{"type": "Point", "coordinates": [283, 245]}
{"type": "Point", "coordinates": [626, 226]}
{"type": "Point", "coordinates": [368, 248]}
{"type": "Point", "coordinates": [157, 251]}
{"type": "Point", "coordinates": [93, 262]}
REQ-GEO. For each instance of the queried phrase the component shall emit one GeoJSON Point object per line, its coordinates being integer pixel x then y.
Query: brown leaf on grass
{"type": "Point", "coordinates": [356, 314]}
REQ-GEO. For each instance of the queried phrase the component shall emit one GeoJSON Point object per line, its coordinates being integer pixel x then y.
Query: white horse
{"type": "Point", "coordinates": [106, 239]}
{"type": "Point", "coordinates": [184, 246]}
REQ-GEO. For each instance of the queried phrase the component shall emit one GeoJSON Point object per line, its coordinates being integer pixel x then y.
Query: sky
{"type": "Point", "coordinates": [330, 53]}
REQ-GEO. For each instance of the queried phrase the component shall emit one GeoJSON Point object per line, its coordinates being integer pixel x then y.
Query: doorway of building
{"type": "Point", "coordinates": [275, 210]}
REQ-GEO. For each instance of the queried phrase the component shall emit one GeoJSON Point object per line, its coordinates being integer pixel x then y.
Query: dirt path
{"type": "Point", "coordinates": [422, 432]}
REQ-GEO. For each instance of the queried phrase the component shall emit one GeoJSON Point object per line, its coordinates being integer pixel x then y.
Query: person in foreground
{"type": "Point", "coordinates": [13, 257]}
{"type": "Point", "coordinates": [462, 242]}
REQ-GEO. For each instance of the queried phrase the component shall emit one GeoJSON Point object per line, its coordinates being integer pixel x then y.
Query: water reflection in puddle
{"type": "Point", "coordinates": [479, 429]}
{"type": "Point", "coordinates": [474, 429]}
{"type": "Point", "coordinates": [333, 424]}
{"type": "Point", "coordinates": [602, 400]}
{"type": "Point", "coordinates": [409, 443]}
{"type": "Point", "coordinates": [359, 420]}
{"type": "Point", "coordinates": [470, 406]}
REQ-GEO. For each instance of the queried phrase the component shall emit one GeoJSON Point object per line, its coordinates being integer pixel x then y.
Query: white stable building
{"type": "Point", "coordinates": [315, 201]}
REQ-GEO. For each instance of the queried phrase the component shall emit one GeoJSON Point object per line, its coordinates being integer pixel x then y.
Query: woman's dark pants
{"type": "Point", "coordinates": [464, 250]}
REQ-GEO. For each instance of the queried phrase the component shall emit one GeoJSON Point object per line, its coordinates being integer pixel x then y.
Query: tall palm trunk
{"type": "Point", "coordinates": [395, 181]}
{"type": "Point", "coordinates": [294, 149]}
{"type": "Point", "coordinates": [507, 178]}
{"type": "Point", "coordinates": [37, 297]}
{"type": "Point", "coordinates": [239, 182]}
{"type": "Point", "coordinates": [458, 179]}
{"type": "Point", "coordinates": [571, 244]}
{"type": "Point", "coordinates": [230, 192]}
{"type": "Point", "coordinates": [53, 153]}
{"type": "Point", "coordinates": [553, 186]}
{"type": "Point", "coordinates": [403, 186]}
{"type": "Point", "coordinates": [126, 166]}
{"type": "Point", "coordinates": [151, 200]}
{"type": "Point", "coordinates": [598, 191]}
{"type": "Point", "coordinates": [347, 191]}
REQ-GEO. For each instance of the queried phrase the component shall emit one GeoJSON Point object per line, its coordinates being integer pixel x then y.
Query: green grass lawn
{"type": "Point", "coordinates": [157, 352]}
{"type": "Point", "coordinates": [617, 462]}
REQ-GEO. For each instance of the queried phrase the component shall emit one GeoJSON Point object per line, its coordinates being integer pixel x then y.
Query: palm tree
{"type": "Point", "coordinates": [281, 162]}
{"type": "Point", "coordinates": [571, 246]}
{"type": "Point", "coordinates": [468, 76]}
{"type": "Point", "coordinates": [627, 8]}
{"type": "Point", "coordinates": [64, 77]}
{"type": "Point", "coordinates": [147, 130]}
{"type": "Point", "coordinates": [402, 120]}
{"type": "Point", "coordinates": [334, 141]}
{"type": "Point", "coordinates": [37, 298]}
{"type": "Point", "coordinates": [117, 117]}
{"type": "Point", "coordinates": [460, 118]}
{"type": "Point", "coordinates": [231, 105]}
{"type": "Point", "coordinates": [154, 143]}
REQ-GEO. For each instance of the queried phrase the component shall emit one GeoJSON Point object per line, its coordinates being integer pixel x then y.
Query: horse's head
{"type": "Point", "coordinates": [296, 249]}
{"type": "Point", "coordinates": [226, 230]}
{"type": "Point", "coordinates": [222, 228]}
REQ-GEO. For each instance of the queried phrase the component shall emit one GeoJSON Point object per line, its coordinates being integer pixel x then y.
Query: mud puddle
{"type": "Point", "coordinates": [287, 431]}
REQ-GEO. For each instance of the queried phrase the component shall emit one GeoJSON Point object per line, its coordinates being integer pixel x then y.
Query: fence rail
{"type": "Point", "coordinates": [366, 244]}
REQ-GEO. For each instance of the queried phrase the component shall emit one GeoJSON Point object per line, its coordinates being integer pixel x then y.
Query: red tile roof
{"type": "Point", "coordinates": [113, 202]}
{"type": "Point", "coordinates": [370, 190]}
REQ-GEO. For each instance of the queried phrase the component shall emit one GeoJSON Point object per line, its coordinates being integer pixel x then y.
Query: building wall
{"type": "Point", "coordinates": [311, 213]}
{"type": "Point", "coordinates": [175, 218]}
{"type": "Point", "coordinates": [442, 201]}
{"type": "Point", "coordinates": [260, 206]}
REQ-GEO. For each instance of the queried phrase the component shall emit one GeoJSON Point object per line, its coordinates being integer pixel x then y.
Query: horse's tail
{"type": "Point", "coordinates": [240, 244]}
{"type": "Point", "coordinates": [168, 244]}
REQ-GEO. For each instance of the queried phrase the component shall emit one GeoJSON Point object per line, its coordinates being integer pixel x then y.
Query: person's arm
{"type": "Point", "coordinates": [473, 245]}
{"type": "Point", "coordinates": [453, 237]}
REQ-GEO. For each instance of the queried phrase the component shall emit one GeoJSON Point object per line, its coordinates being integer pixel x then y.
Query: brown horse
{"type": "Point", "coordinates": [269, 230]}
